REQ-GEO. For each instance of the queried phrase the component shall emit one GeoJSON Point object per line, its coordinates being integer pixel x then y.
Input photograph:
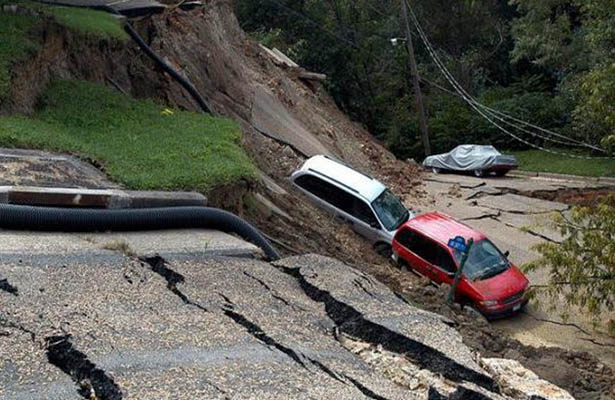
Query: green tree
{"type": "Point", "coordinates": [582, 268]}
{"type": "Point", "coordinates": [575, 40]}
{"type": "Point", "coordinates": [349, 40]}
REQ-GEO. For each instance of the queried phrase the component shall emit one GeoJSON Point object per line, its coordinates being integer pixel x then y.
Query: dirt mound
{"type": "Point", "coordinates": [233, 72]}
{"type": "Point", "coordinates": [284, 118]}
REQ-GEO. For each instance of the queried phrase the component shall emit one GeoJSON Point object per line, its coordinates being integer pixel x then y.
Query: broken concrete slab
{"type": "Point", "coordinates": [210, 328]}
{"type": "Point", "coordinates": [175, 244]}
{"type": "Point", "coordinates": [41, 168]}
{"type": "Point", "coordinates": [363, 308]}
{"type": "Point", "coordinates": [521, 383]}
{"type": "Point", "coordinates": [271, 116]}
{"type": "Point", "coordinates": [217, 328]}
{"type": "Point", "coordinates": [40, 248]}
{"type": "Point", "coordinates": [97, 198]}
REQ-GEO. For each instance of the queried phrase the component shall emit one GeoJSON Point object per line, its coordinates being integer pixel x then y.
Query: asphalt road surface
{"type": "Point", "coordinates": [103, 314]}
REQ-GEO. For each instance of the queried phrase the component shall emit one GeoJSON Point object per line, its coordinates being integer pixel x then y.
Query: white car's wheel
{"type": "Point", "coordinates": [479, 173]}
{"type": "Point", "coordinates": [436, 170]}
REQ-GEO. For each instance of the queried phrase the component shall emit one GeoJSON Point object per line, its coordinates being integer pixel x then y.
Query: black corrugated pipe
{"type": "Point", "coordinates": [168, 69]}
{"type": "Point", "coordinates": [19, 217]}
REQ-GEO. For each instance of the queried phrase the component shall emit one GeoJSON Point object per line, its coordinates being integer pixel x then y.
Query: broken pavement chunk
{"type": "Point", "coordinates": [520, 383]}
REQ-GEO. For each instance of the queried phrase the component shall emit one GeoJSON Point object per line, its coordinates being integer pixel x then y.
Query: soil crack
{"type": "Point", "coordinates": [5, 323]}
{"type": "Point", "coordinates": [495, 217]}
{"type": "Point", "coordinates": [260, 335]}
{"type": "Point", "coordinates": [7, 287]}
{"type": "Point", "coordinates": [357, 283]}
{"type": "Point", "coordinates": [273, 293]}
{"type": "Point", "coordinates": [533, 233]}
{"type": "Point", "coordinates": [460, 394]}
{"type": "Point", "coordinates": [365, 390]}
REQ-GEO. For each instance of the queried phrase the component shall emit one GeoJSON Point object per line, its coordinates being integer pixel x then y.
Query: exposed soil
{"type": "Point", "coordinates": [572, 196]}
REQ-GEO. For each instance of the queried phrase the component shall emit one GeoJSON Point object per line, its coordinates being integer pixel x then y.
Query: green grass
{"type": "Point", "coordinates": [98, 24]}
{"type": "Point", "coordinates": [539, 161]}
{"type": "Point", "coordinates": [136, 141]}
{"type": "Point", "coordinates": [15, 45]}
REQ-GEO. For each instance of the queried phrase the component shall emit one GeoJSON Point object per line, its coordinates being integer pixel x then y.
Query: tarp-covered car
{"type": "Point", "coordinates": [477, 159]}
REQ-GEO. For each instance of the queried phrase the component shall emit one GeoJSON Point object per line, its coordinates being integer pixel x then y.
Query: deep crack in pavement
{"type": "Point", "coordinates": [157, 265]}
{"type": "Point", "coordinates": [93, 382]}
{"type": "Point", "coordinates": [7, 287]}
{"type": "Point", "coordinates": [352, 322]}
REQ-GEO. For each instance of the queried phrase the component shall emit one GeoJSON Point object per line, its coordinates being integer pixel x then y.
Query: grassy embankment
{"type": "Point", "coordinates": [140, 143]}
{"type": "Point", "coordinates": [539, 161]}
{"type": "Point", "coordinates": [15, 45]}
{"type": "Point", "coordinates": [17, 42]}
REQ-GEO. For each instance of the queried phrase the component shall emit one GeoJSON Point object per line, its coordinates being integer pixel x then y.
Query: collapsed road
{"type": "Point", "coordinates": [91, 320]}
{"type": "Point", "coordinates": [514, 212]}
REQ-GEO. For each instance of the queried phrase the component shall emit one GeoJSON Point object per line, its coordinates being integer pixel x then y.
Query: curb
{"type": "Point", "coordinates": [563, 177]}
{"type": "Point", "coordinates": [97, 198]}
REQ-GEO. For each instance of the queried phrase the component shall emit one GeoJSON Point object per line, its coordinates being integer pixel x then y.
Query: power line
{"type": "Point", "coordinates": [501, 115]}
{"type": "Point", "coordinates": [473, 103]}
{"type": "Point", "coordinates": [452, 93]}
{"type": "Point", "coordinates": [476, 105]}
{"type": "Point", "coordinates": [466, 96]}
{"type": "Point", "coordinates": [485, 111]}
{"type": "Point", "coordinates": [491, 111]}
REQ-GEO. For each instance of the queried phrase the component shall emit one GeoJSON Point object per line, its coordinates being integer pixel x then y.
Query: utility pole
{"type": "Point", "coordinates": [415, 81]}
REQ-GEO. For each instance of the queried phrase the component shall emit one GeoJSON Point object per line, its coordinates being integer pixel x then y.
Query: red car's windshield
{"type": "Point", "coordinates": [484, 260]}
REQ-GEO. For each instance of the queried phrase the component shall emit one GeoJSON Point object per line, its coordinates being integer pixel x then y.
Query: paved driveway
{"type": "Point", "coordinates": [498, 208]}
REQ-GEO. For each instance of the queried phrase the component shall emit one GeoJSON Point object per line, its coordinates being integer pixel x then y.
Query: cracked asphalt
{"type": "Point", "coordinates": [79, 318]}
{"type": "Point", "coordinates": [499, 208]}
{"type": "Point", "coordinates": [41, 168]}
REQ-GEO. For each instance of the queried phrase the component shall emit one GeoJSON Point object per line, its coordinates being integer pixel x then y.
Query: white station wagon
{"type": "Point", "coordinates": [353, 197]}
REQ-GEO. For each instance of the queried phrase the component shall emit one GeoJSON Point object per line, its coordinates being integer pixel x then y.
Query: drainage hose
{"type": "Point", "coordinates": [186, 84]}
{"type": "Point", "coordinates": [19, 217]}
{"type": "Point", "coordinates": [168, 69]}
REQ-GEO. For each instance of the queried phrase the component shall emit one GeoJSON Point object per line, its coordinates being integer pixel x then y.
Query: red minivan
{"type": "Point", "coordinates": [490, 283]}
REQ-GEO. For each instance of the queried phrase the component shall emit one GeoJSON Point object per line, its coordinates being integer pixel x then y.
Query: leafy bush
{"type": "Point", "coordinates": [582, 268]}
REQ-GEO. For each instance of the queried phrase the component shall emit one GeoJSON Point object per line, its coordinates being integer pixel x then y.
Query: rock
{"type": "Point", "coordinates": [512, 354]}
{"type": "Point", "coordinates": [520, 383]}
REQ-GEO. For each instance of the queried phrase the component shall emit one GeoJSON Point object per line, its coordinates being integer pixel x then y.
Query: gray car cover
{"type": "Point", "coordinates": [470, 157]}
